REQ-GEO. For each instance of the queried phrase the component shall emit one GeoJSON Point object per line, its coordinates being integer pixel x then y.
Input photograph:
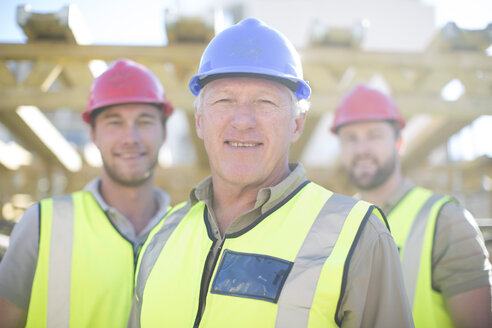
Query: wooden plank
{"type": "Point", "coordinates": [437, 135]}
{"type": "Point", "coordinates": [186, 53]}
{"type": "Point", "coordinates": [410, 104]}
{"type": "Point", "coordinates": [6, 76]}
{"type": "Point", "coordinates": [321, 77]}
{"type": "Point", "coordinates": [190, 54]}
{"type": "Point", "coordinates": [27, 137]}
{"type": "Point", "coordinates": [77, 73]}
{"type": "Point", "coordinates": [74, 98]}
{"type": "Point", "coordinates": [413, 103]}
{"type": "Point", "coordinates": [42, 75]}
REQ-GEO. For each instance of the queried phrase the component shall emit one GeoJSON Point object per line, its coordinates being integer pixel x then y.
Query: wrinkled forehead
{"type": "Point", "coordinates": [241, 84]}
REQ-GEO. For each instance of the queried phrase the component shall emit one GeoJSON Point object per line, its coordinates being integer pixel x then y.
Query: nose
{"type": "Point", "coordinates": [243, 117]}
{"type": "Point", "coordinates": [130, 134]}
{"type": "Point", "coordinates": [362, 146]}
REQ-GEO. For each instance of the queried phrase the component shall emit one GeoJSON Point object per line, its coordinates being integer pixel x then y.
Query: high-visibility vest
{"type": "Point", "coordinates": [85, 270]}
{"type": "Point", "coordinates": [288, 269]}
{"type": "Point", "coordinates": [413, 224]}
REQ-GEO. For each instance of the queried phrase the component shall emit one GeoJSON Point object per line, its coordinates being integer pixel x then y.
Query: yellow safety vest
{"type": "Point", "coordinates": [85, 270]}
{"type": "Point", "coordinates": [288, 269]}
{"type": "Point", "coordinates": [413, 224]}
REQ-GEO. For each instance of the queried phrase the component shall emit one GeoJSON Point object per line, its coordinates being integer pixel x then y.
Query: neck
{"type": "Point", "coordinates": [137, 203]}
{"type": "Point", "coordinates": [232, 200]}
{"type": "Point", "coordinates": [230, 203]}
{"type": "Point", "coordinates": [378, 196]}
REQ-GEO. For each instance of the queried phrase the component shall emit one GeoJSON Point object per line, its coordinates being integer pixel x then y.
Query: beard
{"type": "Point", "coordinates": [368, 181]}
{"type": "Point", "coordinates": [134, 180]}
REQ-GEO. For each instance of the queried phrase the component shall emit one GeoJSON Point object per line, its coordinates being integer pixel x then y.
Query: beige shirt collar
{"type": "Point", "coordinates": [405, 186]}
{"type": "Point", "coordinates": [266, 199]}
{"type": "Point", "coordinates": [121, 223]}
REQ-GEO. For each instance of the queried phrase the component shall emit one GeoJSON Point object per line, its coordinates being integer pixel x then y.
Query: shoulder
{"type": "Point", "coordinates": [28, 225]}
{"type": "Point", "coordinates": [455, 220]}
{"type": "Point", "coordinates": [455, 224]}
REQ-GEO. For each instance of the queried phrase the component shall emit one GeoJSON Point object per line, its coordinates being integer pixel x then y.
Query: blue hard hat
{"type": "Point", "coordinates": [252, 49]}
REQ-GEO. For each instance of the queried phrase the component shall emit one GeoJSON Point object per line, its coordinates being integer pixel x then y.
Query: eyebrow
{"type": "Point", "coordinates": [147, 115]}
{"type": "Point", "coordinates": [108, 115]}
{"type": "Point", "coordinates": [117, 115]}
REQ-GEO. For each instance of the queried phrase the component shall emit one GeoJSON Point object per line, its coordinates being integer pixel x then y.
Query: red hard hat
{"type": "Point", "coordinates": [365, 104]}
{"type": "Point", "coordinates": [126, 81]}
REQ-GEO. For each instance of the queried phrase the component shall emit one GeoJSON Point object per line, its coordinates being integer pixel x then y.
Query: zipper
{"type": "Point", "coordinates": [205, 284]}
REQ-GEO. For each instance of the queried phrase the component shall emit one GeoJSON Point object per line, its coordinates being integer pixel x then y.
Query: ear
{"type": "Point", "coordinates": [164, 135]}
{"type": "Point", "coordinates": [198, 124]}
{"type": "Point", "coordinates": [399, 143]}
{"type": "Point", "coordinates": [298, 127]}
{"type": "Point", "coordinates": [93, 135]}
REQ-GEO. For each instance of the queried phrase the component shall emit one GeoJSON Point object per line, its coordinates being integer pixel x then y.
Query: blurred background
{"type": "Point", "coordinates": [432, 56]}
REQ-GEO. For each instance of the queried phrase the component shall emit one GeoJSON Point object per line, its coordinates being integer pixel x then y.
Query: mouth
{"type": "Point", "coordinates": [130, 155]}
{"type": "Point", "coordinates": [363, 162]}
{"type": "Point", "coordinates": [364, 165]}
{"type": "Point", "coordinates": [243, 144]}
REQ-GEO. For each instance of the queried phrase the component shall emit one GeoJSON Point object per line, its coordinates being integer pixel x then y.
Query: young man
{"type": "Point", "coordinates": [444, 259]}
{"type": "Point", "coordinates": [71, 259]}
{"type": "Point", "coordinates": [259, 245]}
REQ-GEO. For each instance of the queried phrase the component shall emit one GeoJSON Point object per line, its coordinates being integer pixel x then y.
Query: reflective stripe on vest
{"type": "Point", "coordinates": [298, 295]}
{"type": "Point", "coordinates": [306, 241]}
{"type": "Point", "coordinates": [413, 224]}
{"type": "Point", "coordinates": [55, 311]}
{"type": "Point", "coordinates": [85, 271]}
{"type": "Point", "coordinates": [150, 252]}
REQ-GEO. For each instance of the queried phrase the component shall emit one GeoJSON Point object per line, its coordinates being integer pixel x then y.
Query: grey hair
{"type": "Point", "coordinates": [300, 106]}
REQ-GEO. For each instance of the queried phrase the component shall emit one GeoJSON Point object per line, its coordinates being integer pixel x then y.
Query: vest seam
{"type": "Point", "coordinates": [270, 211]}
{"type": "Point", "coordinates": [141, 272]}
{"type": "Point", "coordinates": [385, 220]}
{"type": "Point", "coordinates": [203, 298]}
{"type": "Point", "coordinates": [39, 227]}
{"type": "Point", "coordinates": [207, 224]}
{"type": "Point", "coordinates": [347, 261]}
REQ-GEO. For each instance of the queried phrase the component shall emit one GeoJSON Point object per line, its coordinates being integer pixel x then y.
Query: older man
{"type": "Point", "coordinates": [260, 245]}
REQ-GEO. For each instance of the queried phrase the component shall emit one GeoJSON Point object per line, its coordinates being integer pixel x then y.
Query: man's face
{"type": "Point", "coordinates": [247, 125]}
{"type": "Point", "coordinates": [129, 137]}
{"type": "Point", "coordinates": [369, 152]}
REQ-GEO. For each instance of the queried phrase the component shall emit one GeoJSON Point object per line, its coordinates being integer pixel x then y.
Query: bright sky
{"type": "Point", "coordinates": [141, 22]}
{"type": "Point", "coordinates": [109, 22]}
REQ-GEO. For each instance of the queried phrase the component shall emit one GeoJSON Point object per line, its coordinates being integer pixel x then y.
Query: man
{"type": "Point", "coordinates": [71, 259]}
{"type": "Point", "coordinates": [444, 259]}
{"type": "Point", "coordinates": [259, 245]}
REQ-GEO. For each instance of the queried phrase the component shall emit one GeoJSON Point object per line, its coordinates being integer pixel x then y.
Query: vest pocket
{"type": "Point", "coordinates": [254, 276]}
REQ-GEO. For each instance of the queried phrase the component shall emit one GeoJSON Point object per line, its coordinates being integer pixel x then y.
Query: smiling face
{"type": "Point", "coordinates": [369, 152]}
{"type": "Point", "coordinates": [247, 125]}
{"type": "Point", "coordinates": [129, 137]}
